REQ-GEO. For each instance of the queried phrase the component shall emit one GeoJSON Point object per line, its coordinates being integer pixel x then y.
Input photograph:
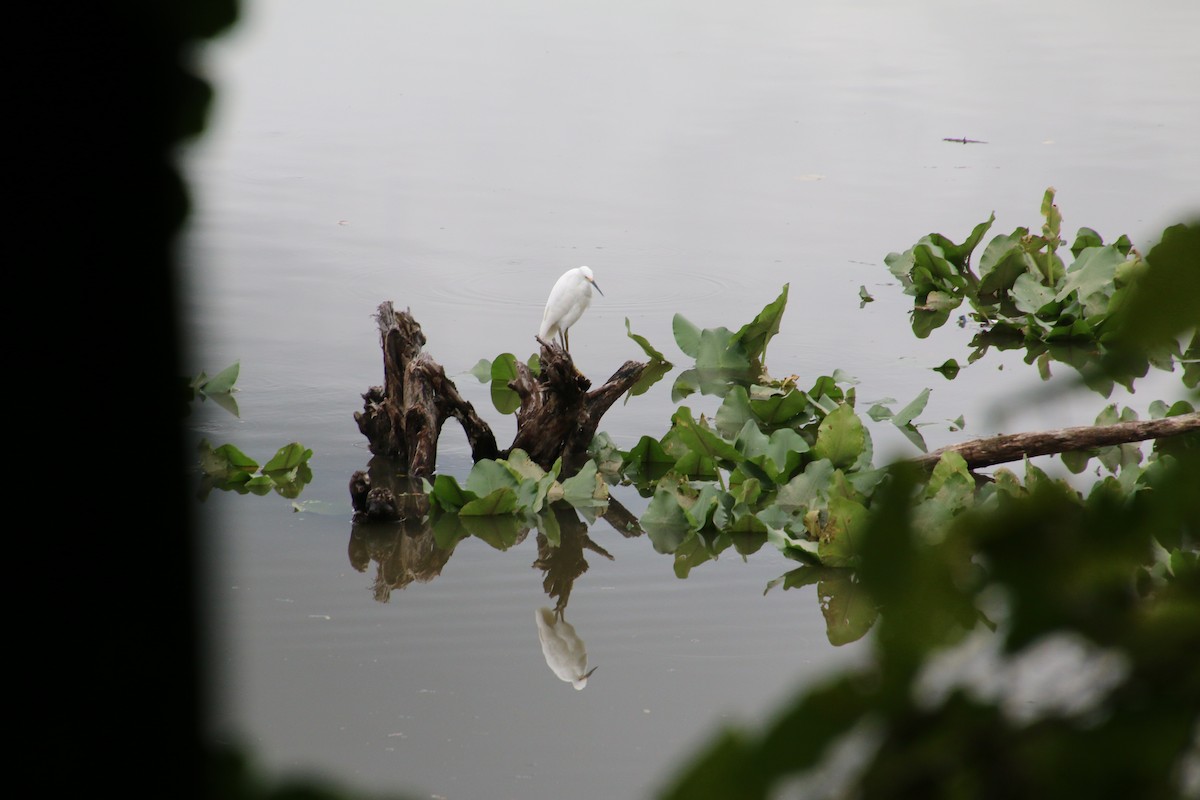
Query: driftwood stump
{"type": "Point", "coordinates": [403, 418]}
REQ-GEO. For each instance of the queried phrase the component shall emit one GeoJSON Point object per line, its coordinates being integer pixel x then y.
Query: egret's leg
{"type": "Point", "coordinates": [567, 339]}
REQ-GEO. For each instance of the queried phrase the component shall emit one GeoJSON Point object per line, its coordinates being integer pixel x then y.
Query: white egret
{"type": "Point", "coordinates": [569, 298]}
{"type": "Point", "coordinates": [564, 651]}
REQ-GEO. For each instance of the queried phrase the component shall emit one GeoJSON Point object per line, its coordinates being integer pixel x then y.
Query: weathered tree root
{"type": "Point", "coordinates": [403, 418]}
{"type": "Point", "coordinates": [1016, 446]}
{"type": "Point", "coordinates": [558, 416]}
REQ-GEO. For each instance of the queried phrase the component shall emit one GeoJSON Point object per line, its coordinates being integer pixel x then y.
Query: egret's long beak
{"type": "Point", "coordinates": [580, 683]}
{"type": "Point", "coordinates": [593, 282]}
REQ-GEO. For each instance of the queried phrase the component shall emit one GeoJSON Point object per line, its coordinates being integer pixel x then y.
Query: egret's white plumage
{"type": "Point", "coordinates": [569, 298]}
{"type": "Point", "coordinates": [564, 650]}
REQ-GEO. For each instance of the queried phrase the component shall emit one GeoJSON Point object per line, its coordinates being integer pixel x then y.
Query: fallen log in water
{"type": "Point", "coordinates": [1016, 446]}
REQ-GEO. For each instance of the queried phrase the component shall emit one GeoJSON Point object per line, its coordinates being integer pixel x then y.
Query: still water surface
{"type": "Point", "coordinates": [456, 158]}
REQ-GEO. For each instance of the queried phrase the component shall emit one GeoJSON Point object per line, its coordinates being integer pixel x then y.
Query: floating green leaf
{"type": "Point", "coordinates": [482, 370]}
{"type": "Point", "coordinates": [654, 372]}
{"type": "Point", "coordinates": [223, 381]}
{"type": "Point", "coordinates": [226, 462]}
{"type": "Point", "coordinates": [778, 454]}
{"type": "Point", "coordinates": [287, 458]}
{"type": "Point", "coordinates": [733, 412]}
{"type": "Point", "coordinates": [648, 461]}
{"type": "Point", "coordinates": [446, 494]}
{"type": "Point", "coordinates": [1093, 272]}
{"type": "Point", "coordinates": [643, 343]}
{"type": "Point", "coordinates": [912, 410]}
{"type": "Point", "coordinates": [781, 409]}
{"type": "Point", "coordinates": [500, 501]}
{"type": "Point", "coordinates": [756, 335]}
{"type": "Point", "coordinates": [838, 531]}
{"type": "Point", "coordinates": [585, 489]}
{"type": "Point", "coordinates": [664, 520]}
{"type": "Point", "coordinates": [949, 369]}
{"type": "Point", "coordinates": [487, 476]}
{"type": "Point", "coordinates": [840, 437]}
{"type": "Point", "coordinates": [687, 336]}
{"type": "Point", "coordinates": [807, 489]}
{"type": "Point", "coordinates": [701, 439]}
{"type": "Point", "coordinates": [1030, 295]}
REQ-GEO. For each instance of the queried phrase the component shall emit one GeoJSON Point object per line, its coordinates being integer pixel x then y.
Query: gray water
{"type": "Point", "coordinates": [456, 158]}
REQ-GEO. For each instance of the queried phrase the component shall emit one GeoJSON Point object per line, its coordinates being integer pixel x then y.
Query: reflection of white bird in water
{"type": "Point", "coordinates": [564, 651]}
{"type": "Point", "coordinates": [569, 298]}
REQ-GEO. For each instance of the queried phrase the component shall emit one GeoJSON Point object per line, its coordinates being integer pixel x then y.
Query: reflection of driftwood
{"type": "Point", "coordinates": [1013, 447]}
{"type": "Point", "coordinates": [622, 519]}
{"type": "Point", "coordinates": [405, 551]}
{"type": "Point", "coordinates": [381, 495]}
{"type": "Point", "coordinates": [564, 563]}
{"type": "Point", "coordinates": [403, 418]}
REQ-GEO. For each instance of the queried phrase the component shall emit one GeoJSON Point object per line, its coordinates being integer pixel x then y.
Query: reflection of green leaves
{"type": "Point", "coordinates": [657, 367]}
{"type": "Point", "coordinates": [448, 530]}
{"type": "Point", "coordinates": [648, 461]}
{"type": "Point", "coordinates": [501, 531]}
{"type": "Point", "coordinates": [664, 520]}
{"type": "Point", "coordinates": [504, 369]}
{"type": "Point", "coordinates": [498, 372]}
{"type": "Point", "coordinates": [690, 553]}
{"type": "Point", "coordinates": [903, 419]}
{"type": "Point", "coordinates": [932, 313]}
{"type": "Point", "coordinates": [846, 605]}
{"type": "Point", "coordinates": [608, 458]}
